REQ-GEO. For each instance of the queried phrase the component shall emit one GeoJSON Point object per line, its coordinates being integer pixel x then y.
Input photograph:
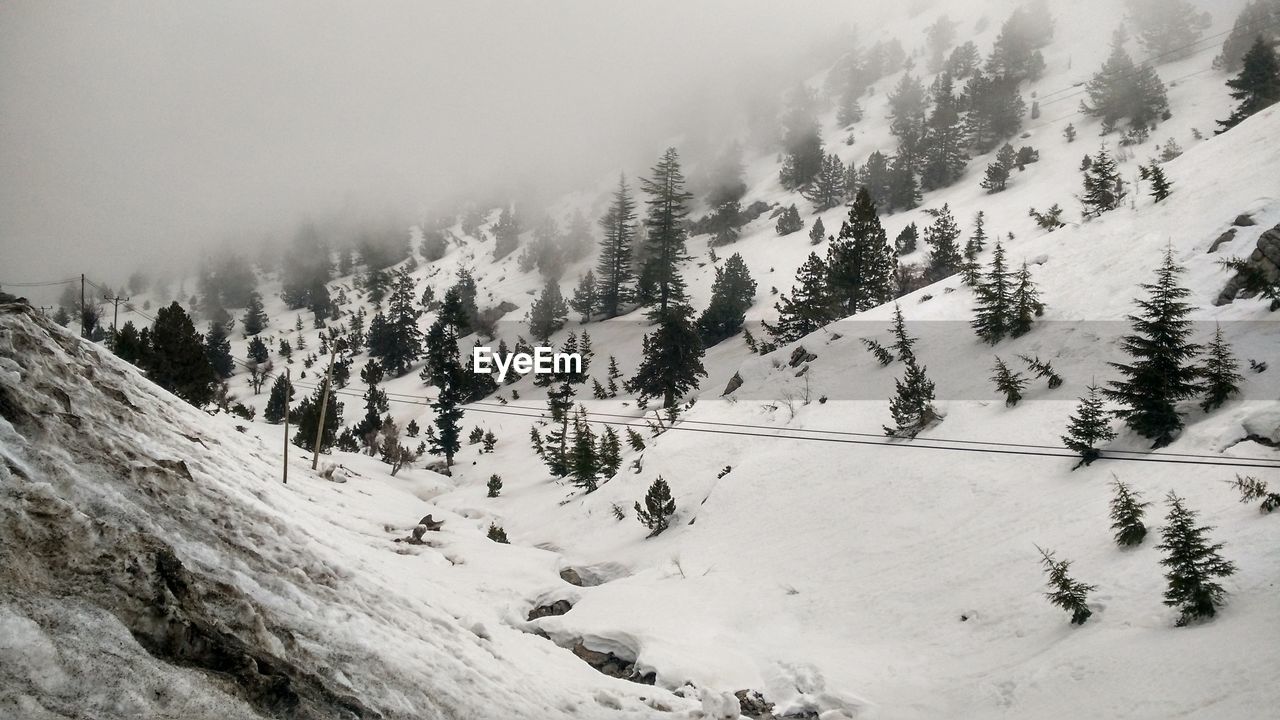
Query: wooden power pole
{"type": "Point", "coordinates": [288, 386]}
{"type": "Point", "coordinates": [324, 408]}
{"type": "Point", "coordinates": [84, 320]}
{"type": "Point", "coordinates": [115, 301]}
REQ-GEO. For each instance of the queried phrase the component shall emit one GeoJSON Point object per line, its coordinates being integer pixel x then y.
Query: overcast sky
{"type": "Point", "coordinates": [133, 131]}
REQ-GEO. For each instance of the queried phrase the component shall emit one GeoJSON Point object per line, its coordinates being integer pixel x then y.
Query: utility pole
{"type": "Point", "coordinates": [287, 387]}
{"type": "Point", "coordinates": [44, 309]}
{"type": "Point", "coordinates": [115, 300]}
{"type": "Point", "coordinates": [324, 408]}
{"type": "Point", "coordinates": [84, 318]}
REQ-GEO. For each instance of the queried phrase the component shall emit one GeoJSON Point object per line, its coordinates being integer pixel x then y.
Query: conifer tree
{"type": "Point", "coordinates": [1162, 371]}
{"type": "Point", "coordinates": [903, 191]}
{"type": "Point", "coordinates": [1089, 427]}
{"type": "Point", "coordinates": [1122, 90]}
{"type": "Point", "coordinates": [1064, 592]}
{"type": "Point", "coordinates": [635, 440]}
{"type": "Point", "coordinates": [307, 415]}
{"type": "Point", "coordinates": [826, 189]}
{"type": "Point", "coordinates": [875, 177]}
{"type": "Point", "coordinates": [881, 353]}
{"type": "Point", "coordinates": [278, 401]}
{"type": "Point", "coordinates": [609, 454]}
{"type": "Point", "coordinates": [397, 340]}
{"type": "Point", "coordinates": [255, 317]}
{"type": "Point", "coordinates": [944, 257]}
{"type": "Point", "coordinates": [1252, 489]}
{"type": "Point", "coordinates": [258, 352]}
{"type": "Point", "coordinates": [995, 300]}
{"type": "Point", "coordinates": [584, 466]}
{"type": "Point", "coordinates": [789, 221]}
{"type": "Point", "coordinates": [506, 234]}
{"type": "Point", "coordinates": [1025, 306]}
{"type": "Point", "coordinates": [912, 404]}
{"type": "Point", "coordinates": [907, 109]}
{"type": "Point", "coordinates": [905, 243]}
{"type": "Point", "coordinates": [494, 486]}
{"type": "Point", "coordinates": [731, 296]}
{"type": "Point", "coordinates": [1008, 382]}
{"type": "Point", "coordinates": [1050, 219]}
{"type": "Point", "coordinates": [1127, 511]}
{"type": "Point", "coordinates": [1257, 87]}
{"type": "Point", "coordinates": [1221, 379]}
{"type": "Point", "coordinates": [584, 296]}
{"type": "Point", "coordinates": [978, 239]}
{"type": "Point", "coordinates": [658, 508]}
{"type": "Point", "coordinates": [997, 175]}
{"type": "Point", "coordinates": [497, 534]}
{"type": "Point", "coordinates": [1161, 188]}
{"type": "Point", "coordinates": [446, 440]}
{"type": "Point", "coordinates": [944, 159]}
{"type": "Point", "coordinates": [614, 265]}
{"type": "Point", "coordinates": [218, 349]}
{"type": "Point", "coordinates": [177, 360]}
{"type": "Point", "coordinates": [375, 403]}
{"type": "Point", "coordinates": [1103, 187]}
{"type": "Point", "coordinates": [1043, 370]}
{"type": "Point", "coordinates": [671, 361]}
{"type": "Point", "coordinates": [817, 233]}
{"type": "Point", "coordinates": [1193, 564]}
{"type": "Point", "coordinates": [801, 140]}
{"type": "Point", "coordinates": [1167, 29]}
{"type": "Point", "coordinates": [660, 283]}
{"type": "Point", "coordinates": [548, 313]}
{"type": "Point", "coordinates": [859, 262]}
{"type": "Point", "coordinates": [809, 306]}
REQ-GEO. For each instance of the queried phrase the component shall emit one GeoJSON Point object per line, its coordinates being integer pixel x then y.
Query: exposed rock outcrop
{"type": "Point", "coordinates": [1263, 264]}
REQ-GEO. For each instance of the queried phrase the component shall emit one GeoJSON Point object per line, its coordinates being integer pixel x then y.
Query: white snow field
{"type": "Point", "coordinates": [836, 573]}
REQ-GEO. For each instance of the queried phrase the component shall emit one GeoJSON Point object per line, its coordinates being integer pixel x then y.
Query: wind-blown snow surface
{"type": "Point", "coordinates": [289, 599]}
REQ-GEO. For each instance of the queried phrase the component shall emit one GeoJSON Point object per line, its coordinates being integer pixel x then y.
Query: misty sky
{"type": "Point", "coordinates": [131, 132]}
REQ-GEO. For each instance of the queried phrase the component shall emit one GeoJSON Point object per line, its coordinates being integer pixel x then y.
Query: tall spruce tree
{"type": "Point", "coordinates": [1008, 382]}
{"type": "Point", "coordinates": [548, 313]}
{"type": "Point", "coordinates": [903, 191]}
{"type": "Point", "coordinates": [584, 296]}
{"type": "Point", "coordinates": [1193, 565]}
{"type": "Point", "coordinates": [177, 360]}
{"type": "Point", "coordinates": [1090, 426]}
{"type": "Point", "coordinates": [809, 306]}
{"type": "Point", "coordinates": [912, 404]}
{"type": "Point", "coordinates": [661, 286]}
{"type": "Point", "coordinates": [1064, 592]}
{"type": "Point", "coordinates": [255, 317]}
{"type": "Point", "coordinates": [1161, 188]}
{"type": "Point", "coordinates": [671, 361]}
{"type": "Point", "coordinates": [943, 156]}
{"type": "Point", "coordinates": [995, 300]}
{"type": "Point", "coordinates": [1123, 90]}
{"type": "Point", "coordinates": [859, 261]}
{"type": "Point", "coordinates": [278, 401]}
{"type": "Point", "coordinates": [658, 508]}
{"type": "Point", "coordinates": [1103, 187]}
{"type": "Point", "coordinates": [307, 414]}
{"type": "Point", "coordinates": [731, 295]}
{"type": "Point", "coordinates": [615, 264]}
{"type": "Point", "coordinates": [1026, 305]}
{"type": "Point", "coordinates": [801, 140]}
{"type": "Point", "coordinates": [401, 341]}
{"type": "Point", "coordinates": [1220, 373]}
{"type": "Point", "coordinates": [506, 234]}
{"type": "Point", "coordinates": [584, 464]}
{"type": "Point", "coordinates": [826, 190]}
{"type": "Point", "coordinates": [1257, 87]}
{"type": "Point", "coordinates": [997, 175]}
{"type": "Point", "coordinates": [942, 236]}
{"type": "Point", "coordinates": [218, 349]}
{"type": "Point", "coordinates": [1127, 511]}
{"type": "Point", "coordinates": [1162, 370]}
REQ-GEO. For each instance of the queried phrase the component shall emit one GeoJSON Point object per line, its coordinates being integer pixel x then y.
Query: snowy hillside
{"type": "Point", "coordinates": [812, 563]}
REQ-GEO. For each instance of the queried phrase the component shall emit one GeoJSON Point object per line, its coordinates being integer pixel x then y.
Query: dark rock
{"type": "Point", "coordinates": [735, 382]}
{"type": "Point", "coordinates": [432, 525]}
{"type": "Point", "coordinates": [753, 705]}
{"type": "Point", "coordinates": [1263, 268]}
{"type": "Point", "coordinates": [571, 576]}
{"type": "Point", "coordinates": [1223, 239]}
{"type": "Point", "coordinates": [800, 355]}
{"type": "Point", "coordinates": [1244, 220]}
{"type": "Point", "coordinates": [612, 665]}
{"type": "Point", "coordinates": [558, 607]}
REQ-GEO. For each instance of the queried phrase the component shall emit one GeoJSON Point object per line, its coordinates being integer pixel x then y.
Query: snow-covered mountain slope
{"type": "Point", "coordinates": [155, 566]}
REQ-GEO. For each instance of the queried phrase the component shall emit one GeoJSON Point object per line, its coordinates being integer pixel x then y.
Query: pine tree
{"type": "Point", "coordinates": [177, 360]}
{"type": "Point", "coordinates": [1162, 371]}
{"type": "Point", "coordinates": [907, 109]}
{"type": "Point", "coordinates": [1167, 29]}
{"type": "Point", "coordinates": [789, 221]}
{"type": "Point", "coordinates": [978, 240]}
{"type": "Point", "coordinates": [1161, 188]}
{"type": "Point", "coordinates": [1009, 383]}
{"type": "Point", "coordinates": [1089, 427]}
{"type": "Point", "coordinates": [912, 404]}
{"type": "Point", "coordinates": [672, 359]}
{"type": "Point", "coordinates": [995, 110]}
{"type": "Point", "coordinates": [995, 300]}
{"type": "Point", "coordinates": [255, 317]}
{"type": "Point", "coordinates": [1122, 90]}
{"type": "Point", "coordinates": [506, 234]}
{"type": "Point", "coordinates": [584, 296]}
{"type": "Point", "coordinates": [944, 257]}
{"type": "Point", "coordinates": [1025, 306]}
{"type": "Point", "coordinates": [905, 243]}
{"type": "Point", "coordinates": [809, 306]}
{"type": "Point", "coordinates": [660, 282]}
{"type": "Point", "coordinates": [494, 486]}
{"type": "Point", "coordinates": [1221, 379]}
{"type": "Point", "coordinates": [548, 313]}
{"type": "Point", "coordinates": [278, 401]}
{"type": "Point", "coordinates": [397, 341]}
{"type": "Point", "coordinates": [881, 353]}
{"type": "Point", "coordinates": [1127, 511]}
{"type": "Point", "coordinates": [1043, 370]}
{"type": "Point", "coordinates": [826, 190]}
{"type": "Point", "coordinates": [375, 403]}
{"type": "Point", "coordinates": [903, 191]}
{"type": "Point", "coordinates": [307, 415]}
{"type": "Point", "coordinates": [1193, 564]}
{"type": "Point", "coordinates": [875, 177]}
{"type": "Point", "coordinates": [218, 349]}
{"type": "Point", "coordinates": [997, 176]}
{"type": "Point", "coordinates": [731, 296]}
{"type": "Point", "coordinates": [258, 352]}
{"type": "Point", "coordinates": [635, 440]}
{"type": "Point", "coordinates": [658, 508]}
{"type": "Point", "coordinates": [1066, 593]}
{"type": "Point", "coordinates": [497, 534]}
{"type": "Point", "coordinates": [859, 262]}
{"type": "Point", "coordinates": [1257, 87]}
{"type": "Point", "coordinates": [584, 465]}
{"type": "Point", "coordinates": [801, 140]}
{"type": "Point", "coordinates": [944, 159]}
{"type": "Point", "coordinates": [1252, 489]}
{"type": "Point", "coordinates": [609, 454]}
{"type": "Point", "coordinates": [614, 265]}
{"type": "Point", "coordinates": [1103, 187]}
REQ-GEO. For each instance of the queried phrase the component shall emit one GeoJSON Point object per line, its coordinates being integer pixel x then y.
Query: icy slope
{"type": "Point", "coordinates": [153, 565]}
